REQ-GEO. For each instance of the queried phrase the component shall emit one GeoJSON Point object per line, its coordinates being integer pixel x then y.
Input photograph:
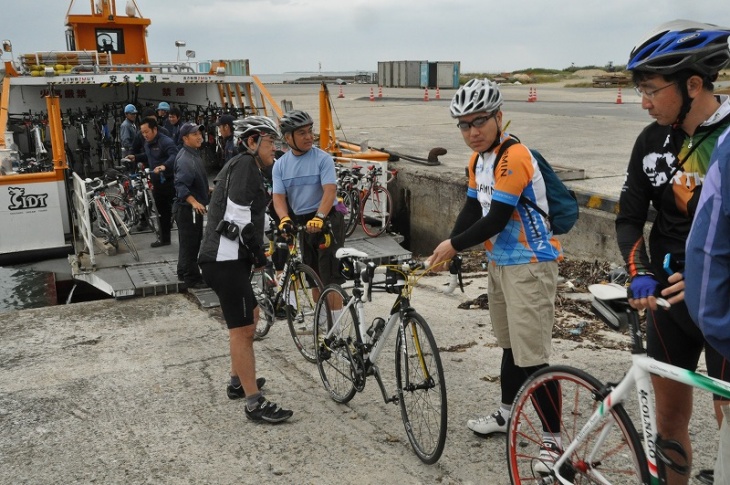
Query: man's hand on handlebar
{"type": "Point", "coordinates": [443, 252]}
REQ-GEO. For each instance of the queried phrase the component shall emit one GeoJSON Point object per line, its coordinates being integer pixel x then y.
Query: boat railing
{"type": "Point", "coordinates": [81, 209]}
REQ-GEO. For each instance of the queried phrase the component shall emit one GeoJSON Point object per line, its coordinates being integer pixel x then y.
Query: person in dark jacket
{"type": "Point", "coordinates": [191, 198]}
{"type": "Point", "coordinates": [232, 245]}
{"type": "Point", "coordinates": [173, 124]}
{"type": "Point", "coordinates": [159, 155]}
{"type": "Point", "coordinates": [227, 140]}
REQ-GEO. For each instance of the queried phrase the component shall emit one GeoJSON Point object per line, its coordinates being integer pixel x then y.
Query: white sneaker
{"type": "Point", "coordinates": [486, 425]}
{"type": "Point", "coordinates": [549, 453]}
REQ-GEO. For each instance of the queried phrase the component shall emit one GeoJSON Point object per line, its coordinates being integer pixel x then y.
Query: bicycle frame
{"type": "Point", "coordinates": [639, 377]}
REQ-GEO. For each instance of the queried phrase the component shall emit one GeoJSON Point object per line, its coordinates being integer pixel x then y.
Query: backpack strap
{"type": "Point", "coordinates": [500, 153]}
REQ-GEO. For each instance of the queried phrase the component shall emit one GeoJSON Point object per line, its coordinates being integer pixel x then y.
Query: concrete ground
{"type": "Point", "coordinates": [133, 391]}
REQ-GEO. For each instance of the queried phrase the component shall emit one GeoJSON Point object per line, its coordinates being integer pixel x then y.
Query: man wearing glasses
{"type": "Point", "coordinates": [523, 254]}
{"type": "Point", "coordinates": [674, 68]}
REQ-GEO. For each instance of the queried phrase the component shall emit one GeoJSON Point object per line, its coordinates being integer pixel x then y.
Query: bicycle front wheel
{"type": "Point", "coordinates": [351, 199]}
{"type": "Point", "coordinates": [421, 388]}
{"type": "Point", "coordinates": [564, 397]}
{"type": "Point", "coordinates": [261, 281]}
{"type": "Point", "coordinates": [336, 336]}
{"type": "Point", "coordinates": [375, 211]}
{"type": "Point", "coordinates": [301, 291]}
{"type": "Point", "coordinates": [124, 235]}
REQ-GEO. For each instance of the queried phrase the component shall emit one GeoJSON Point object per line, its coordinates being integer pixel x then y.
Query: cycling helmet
{"type": "Point", "coordinates": [164, 106]}
{"type": "Point", "coordinates": [130, 109]}
{"type": "Point", "coordinates": [293, 120]}
{"type": "Point", "coordinates": [476, 96]}
{"type": "Point", "coordinates": [682, 44]}
{"type": "Point", "coordinates": [254, 125]}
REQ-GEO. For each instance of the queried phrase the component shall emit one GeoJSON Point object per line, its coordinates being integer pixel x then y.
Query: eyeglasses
{"type": "Point", "coordinates": [477, 122]}
{"type": "Point", "coordinates": [650, 94]}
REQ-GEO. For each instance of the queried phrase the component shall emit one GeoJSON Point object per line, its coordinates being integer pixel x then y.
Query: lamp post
{"type": "Point", "coordinates": [178, 44]}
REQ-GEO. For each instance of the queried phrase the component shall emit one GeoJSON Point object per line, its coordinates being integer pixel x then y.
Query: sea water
{"type": "Point", "coordinates": [23, 288]}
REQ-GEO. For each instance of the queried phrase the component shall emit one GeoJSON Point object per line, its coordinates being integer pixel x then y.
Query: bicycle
{"type": "Point", "coordinates": [348, 191]}
{"type": "Point", "coordinates": [293, 296]}
{"type": "Point", "coordinates": [108, 220]}
{"type": "Point", "coordinates": [600, 442]}
{"type": "Point", "coordinates": [348, 350]}
{"type": "Point", "coordinates": [376, 206]}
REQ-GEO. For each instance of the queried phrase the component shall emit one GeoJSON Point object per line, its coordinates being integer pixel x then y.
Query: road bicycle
{"type": "Point", "coordinates": [293, 296]}
{"type": "Point", "coordinates": [108, 220]}
{"type": "Point", "coordinates": [348, 349]}
{"type": "Point", "coordinates": [376, 206]}
{"type": "Point", "coordinates": [600, 443]}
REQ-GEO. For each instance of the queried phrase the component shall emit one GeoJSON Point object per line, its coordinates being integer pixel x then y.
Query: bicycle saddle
{"type": "Point", "coordinates": [350, 252]}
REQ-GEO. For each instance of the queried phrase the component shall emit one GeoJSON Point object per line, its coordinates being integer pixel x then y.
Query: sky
{"type": "Point", "coordinates": [279, 36]}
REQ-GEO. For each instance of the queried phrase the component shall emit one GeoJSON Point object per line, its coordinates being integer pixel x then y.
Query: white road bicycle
{"type": "Point", "coordinates": [600, 444]}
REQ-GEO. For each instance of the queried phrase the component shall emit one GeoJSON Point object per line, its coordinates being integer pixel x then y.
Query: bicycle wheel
{"type": "Point", "coordinates": [421, 388]}
{"type": "Point", "coordinates": [124, 209]}
{"type": "Point", "coordinates": [610, 453]}
{"type": "Point", "coordinates": [104, 223]}
{"type": "Point", "coordinates": [351, 200]}
{"type": "Point", "coordinates": [123, 234]}
{"type": "Point", "coordinates": [150, 210]}
{"type": "Point", "coordinates": [334, 353]}
{"type": "Point", "coordinates": [261, 281]}
{"type": "Point", "coordinates": [300, 297]}
{"type": "Point", "coordinates": [375, 211]}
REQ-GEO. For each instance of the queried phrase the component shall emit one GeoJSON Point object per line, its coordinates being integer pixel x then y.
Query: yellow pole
{"type": "Point", "coordinates": [4, 100]}
{"type": "Point", "coordinates": [55, 126]}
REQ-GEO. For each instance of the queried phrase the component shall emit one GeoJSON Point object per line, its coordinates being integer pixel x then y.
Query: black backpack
{"type": "Point", "coordinates": [562, 203]}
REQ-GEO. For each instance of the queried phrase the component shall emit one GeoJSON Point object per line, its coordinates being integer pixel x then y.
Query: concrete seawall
{"type": "Point", "coordinates": [431, 202]}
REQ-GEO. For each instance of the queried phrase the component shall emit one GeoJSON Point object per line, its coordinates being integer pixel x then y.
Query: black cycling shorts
{"type": "Point", "coordinates": [672, 337]}
{"type": "Point", "coordinates": [231, 281]}
{"type": "Point", "coordinates": [323, 261]}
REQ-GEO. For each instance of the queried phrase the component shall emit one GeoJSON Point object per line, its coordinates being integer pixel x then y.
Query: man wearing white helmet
{"type": "Point", "coordinates": [523, 254]}
{"type": "Point", "coordinates": [674, 67]}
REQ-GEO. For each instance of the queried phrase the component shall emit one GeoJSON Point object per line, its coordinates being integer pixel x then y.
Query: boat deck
{"type": "Point", "coordinates": [120, 276]}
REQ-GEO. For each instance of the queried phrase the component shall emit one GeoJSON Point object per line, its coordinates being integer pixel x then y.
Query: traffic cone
{"type": "Point", "coordinates": [372, 95]}
{"type": "Point", "coordinates": [529, 96]}
{"type": "Point", "coordinates": [438, 93]}
{"type": "Point", "coordinates": [534, 94]}
{"type": "Point", "coordinates": [380, 91]}
{"type": "Point", "coordinates": [618, 97]}
{"type": "Point", "coordinates": [425, 94]}
{"type": "Point", "coordinates": [341, 95]}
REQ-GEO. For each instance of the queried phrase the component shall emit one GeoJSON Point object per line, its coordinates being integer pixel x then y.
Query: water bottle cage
{"type": "Point", "coordinates": [664, 460]}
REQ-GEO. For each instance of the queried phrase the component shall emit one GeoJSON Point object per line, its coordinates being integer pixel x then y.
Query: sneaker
{"type": "Point", "coordinates": [238, 393]}
{"type": "Point", "coordinates": [486, 425]}
{"type": "Point", "coordinates": [549, 453]}
{"type": "Point", "coordinates": [268, 412]}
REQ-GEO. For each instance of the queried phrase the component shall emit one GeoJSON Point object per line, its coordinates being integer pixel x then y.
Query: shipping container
{"type": "Point", "coordinates": [418, 74]}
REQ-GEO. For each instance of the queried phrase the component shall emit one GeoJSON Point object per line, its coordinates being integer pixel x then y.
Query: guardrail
{"type": "Point", "coordinates": [83, 220]}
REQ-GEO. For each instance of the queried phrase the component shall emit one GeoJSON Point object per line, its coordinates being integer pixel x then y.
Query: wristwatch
{"type": "Point", "coordinates": [321, 215]}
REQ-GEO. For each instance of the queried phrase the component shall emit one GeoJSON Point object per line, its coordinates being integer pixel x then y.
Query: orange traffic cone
{"type": "Point", "coordinates": [534, 94]}
{"type": "Point", "coordinates": [341, 95]}
{"type": "Point", "coordinates": [618, 97]}
{"type": "Point", "coordinates": [372, 95]}
{"type": "Point", "coordinates": [380, 91]}
{"type": "Point", "coordinates": [438, 93]}
{"type": "Point", "coordinates": [425, 94]}
{"type": "Point", "coordinates": [529, 96]}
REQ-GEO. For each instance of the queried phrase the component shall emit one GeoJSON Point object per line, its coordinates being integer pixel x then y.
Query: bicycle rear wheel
{"type": "Point", "coordinates": [261, 281]}
{"type": "Point", "coordinates": [610, 453]}
{"type": "Point", "coordinates": [375, 211]}
{"type": "Point", "coordinates": [334, 353]}
{"type": "Point", "coordinates": [421, 388]}
{"type": "Point", "coordinates": [301, 300]}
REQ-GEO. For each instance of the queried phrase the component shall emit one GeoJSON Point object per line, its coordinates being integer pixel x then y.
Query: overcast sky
{"type": "Point", "coordinates": [346, 35]}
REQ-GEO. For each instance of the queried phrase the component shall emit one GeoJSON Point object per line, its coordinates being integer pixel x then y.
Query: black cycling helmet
{"type": "Point", "coordinates": [293, 120]}
{"type": "Point", "coordinates": [682, 44]}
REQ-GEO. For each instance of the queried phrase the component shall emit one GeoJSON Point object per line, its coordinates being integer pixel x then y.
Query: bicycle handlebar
{"type": "Point", "coordinates": [98, 184]}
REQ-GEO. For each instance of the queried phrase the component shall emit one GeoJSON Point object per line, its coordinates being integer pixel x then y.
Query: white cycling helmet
{"type": "Point", "coordinates": [253, 125]}
{"type": "Point", "coordinates": [476, 96]}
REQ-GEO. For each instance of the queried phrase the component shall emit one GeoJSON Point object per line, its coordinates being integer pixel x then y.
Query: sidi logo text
{"type": "Point", "coordinates": [20, 201]}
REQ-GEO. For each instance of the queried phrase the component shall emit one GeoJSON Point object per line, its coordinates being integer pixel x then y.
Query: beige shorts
{"type": "Point", "coordinates": [522, 309]}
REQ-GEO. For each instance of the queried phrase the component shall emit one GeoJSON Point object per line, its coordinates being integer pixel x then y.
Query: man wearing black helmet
{"type": "Point", "coordinates": [673, 68]}
{"type": "Point", "coordinates": [305, 179]}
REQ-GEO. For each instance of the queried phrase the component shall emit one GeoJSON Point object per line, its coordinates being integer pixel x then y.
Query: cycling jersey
{"type": "Point", "coordinates": [526, 238]}
{"type": "Point", "coordinates": [656, 153]}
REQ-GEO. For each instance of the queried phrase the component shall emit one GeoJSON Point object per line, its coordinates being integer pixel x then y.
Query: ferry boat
{"type": "Point", "coordinates": [56, 103]}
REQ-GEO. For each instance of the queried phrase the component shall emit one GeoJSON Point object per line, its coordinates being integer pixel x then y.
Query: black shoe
{"type": "Point", "coordinates": [238, 393]}
{"type": "Point", "coordinates": [158, 244]}
{"type": "Point", "coordinates": [268, 412]}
